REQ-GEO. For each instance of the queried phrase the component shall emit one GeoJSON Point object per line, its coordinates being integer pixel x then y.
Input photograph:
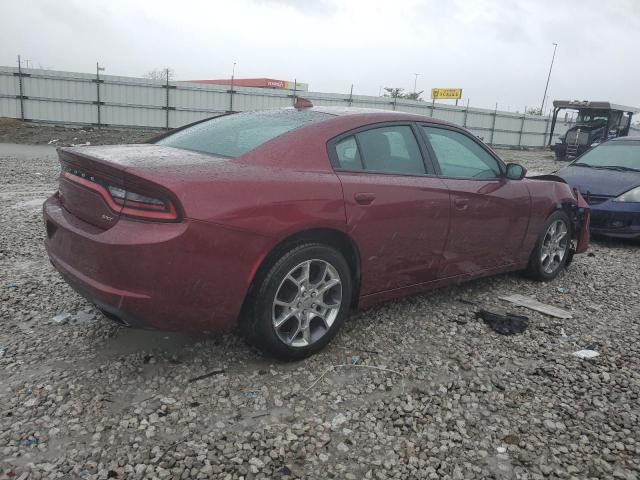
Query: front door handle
{"type": "Point", "coordinates": [461, 203]}
{"type": "Point", "coordinates": [364, 198]}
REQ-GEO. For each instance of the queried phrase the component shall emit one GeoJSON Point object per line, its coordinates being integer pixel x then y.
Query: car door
{"type": "Point", "coordinates": [489, 213]}
{"type": "Point", "coordinates": [397, 209]}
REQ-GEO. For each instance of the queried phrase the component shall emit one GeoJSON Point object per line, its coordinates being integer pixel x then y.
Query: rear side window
{"type": "Point", "coordinates": [348, 154]}
{"type": "Point", "coordinates": [234, 135]}
{"type": "Point", "coordinates": [391, 149]}
{"type": "Point", "coordinates": [460, 156]}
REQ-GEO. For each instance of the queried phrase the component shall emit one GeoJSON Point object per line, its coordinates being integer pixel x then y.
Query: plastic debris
{"type": "Point", "coordinates": [207, 375]}
{"type": "Point", "coordinates": [2, 350]}
{"type": "Point", "coordinates": [533, 304]}
{"type": "Point", "coordinates": [84, 317]}
{"type": "Point", "coordinates": [338, 420]}
{"type": "Point", "coordinates": [501, 450]}
{"type": "Point", "coordinates": [249, 394]}
{"type": "Point", "coordinates": [562, 290]}
{"type": "Point", "coordinates": [10, 285]}
{"type": "Point", "coordinates": [55, 140]}
{"type": "Point", "coordinates": [62, 318]}
{"type": "Point", "coordinates": [565, 337]}
{"type": "Point", "coordinates": [508, 324]}
{"type": "Point", "coordinates": [586, 354]}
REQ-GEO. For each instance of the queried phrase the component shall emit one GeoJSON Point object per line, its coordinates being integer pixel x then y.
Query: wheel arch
{"type": "Point", "coordinates": [328, 236]}
{"type": "Point", "coordinates": [572, 211]}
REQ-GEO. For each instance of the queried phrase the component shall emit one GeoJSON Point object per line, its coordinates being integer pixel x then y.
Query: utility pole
{"type": "Point", "coordinates": [233, 73]}
{"type": "Point", "coordinates": [21, 87]}
{"type": "Point", "coordinates": [415, 82]}
{"type": "Point", "coordinates": [98, 69]}
{"type": "Point", "coordinates": [544, 97]}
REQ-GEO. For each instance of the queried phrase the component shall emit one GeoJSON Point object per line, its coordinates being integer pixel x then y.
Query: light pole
{"type": "Point", "coordinates": [544, 97]}
{"type": "Point", "coordinates": [415, 81]}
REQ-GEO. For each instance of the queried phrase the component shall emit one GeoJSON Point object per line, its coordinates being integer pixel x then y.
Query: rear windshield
{"type": "Point", "coordinates": [613, 154]}
{"type": "Point", "coordinates": [237, 134]}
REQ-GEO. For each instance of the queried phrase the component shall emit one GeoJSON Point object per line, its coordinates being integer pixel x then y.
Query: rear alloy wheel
{"type": "Point", "coordinates": [307, 303]}
{"type": "Point", "coordinates": [552, 248]}
{"type": "Point", "coordinates": [301, 303]}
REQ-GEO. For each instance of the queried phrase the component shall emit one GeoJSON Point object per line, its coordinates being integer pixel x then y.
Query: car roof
{"type": "Point", "coordinates": [379, 114]}
{"type": "Point", "coordinates": [627, 139]}
{"type": "Point", "coordinates": [589, 105]}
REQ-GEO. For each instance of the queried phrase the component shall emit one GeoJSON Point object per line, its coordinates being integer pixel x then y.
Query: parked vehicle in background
{"type": "Point", "coordinates": [282, 221]}
{"type": "Point", "coordinates": [608, 177]}
{"type": "Point", "coordinates": [596, 122]}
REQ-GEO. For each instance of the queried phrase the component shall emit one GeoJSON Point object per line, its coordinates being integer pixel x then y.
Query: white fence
{"type": "Point", "coordinates": [86, 99]}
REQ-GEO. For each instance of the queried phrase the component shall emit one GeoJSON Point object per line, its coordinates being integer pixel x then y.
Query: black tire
{"type": "Point", "coordinates": [258, 321]}
{"type": "Point", "coordinates": [536, 269]}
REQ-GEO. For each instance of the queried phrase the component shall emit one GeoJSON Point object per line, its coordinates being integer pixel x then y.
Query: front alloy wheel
{"type": "Point", "coordinates": [551, 250]}
{"type": "Point", "coordinates": [554, 246]}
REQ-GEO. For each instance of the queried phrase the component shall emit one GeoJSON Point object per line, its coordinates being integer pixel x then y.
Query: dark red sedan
{"type": "Point", "coordinates": [282, 221]}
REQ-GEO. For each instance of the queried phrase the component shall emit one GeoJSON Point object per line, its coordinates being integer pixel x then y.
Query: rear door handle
{"type": "Point", "coordinates": [364, 198]}
{"type": "Point", "coordinates": [461, 203]}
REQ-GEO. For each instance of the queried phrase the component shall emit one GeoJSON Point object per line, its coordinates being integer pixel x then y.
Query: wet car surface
{"type": "Point", "coordinates": [280, 222]}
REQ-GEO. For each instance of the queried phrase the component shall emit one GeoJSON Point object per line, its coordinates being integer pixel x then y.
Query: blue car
{"type": "Point", "coordinates": [608, 177]}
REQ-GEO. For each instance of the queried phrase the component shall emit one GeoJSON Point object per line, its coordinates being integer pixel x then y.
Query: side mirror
{"type": "Point", "coordinates": [515, 171]}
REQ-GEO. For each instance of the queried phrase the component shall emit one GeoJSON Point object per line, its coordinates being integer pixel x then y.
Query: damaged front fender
{"type": "Point", "coordinates": [579, 212]}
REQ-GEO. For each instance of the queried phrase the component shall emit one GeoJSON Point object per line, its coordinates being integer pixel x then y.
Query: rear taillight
{"type": "Point", "coordinates": [127, 203]}
{"type": "Point", "coordinates": [142, 206]}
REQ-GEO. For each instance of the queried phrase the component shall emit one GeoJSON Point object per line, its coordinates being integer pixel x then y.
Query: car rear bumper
{"type": "Point", "coordinates": [189, 276]}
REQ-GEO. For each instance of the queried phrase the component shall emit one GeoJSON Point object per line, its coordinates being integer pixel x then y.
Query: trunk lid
{"type": "Point", "coordinates": [89, 172]}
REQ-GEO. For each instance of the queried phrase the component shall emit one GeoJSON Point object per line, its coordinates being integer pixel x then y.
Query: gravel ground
{"type": "Point", "coordinates": [417, 388]}
{"type": "Point", "coordinates": [14, 131]}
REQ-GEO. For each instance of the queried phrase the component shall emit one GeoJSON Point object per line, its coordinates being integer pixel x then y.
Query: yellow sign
{"type": "Point", "coordinates": [446, 93]}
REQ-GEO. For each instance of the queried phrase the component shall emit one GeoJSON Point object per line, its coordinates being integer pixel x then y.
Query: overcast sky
{"type": "Point", "coordinates": [496, 51]}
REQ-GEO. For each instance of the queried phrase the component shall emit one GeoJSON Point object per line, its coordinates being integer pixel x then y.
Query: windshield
{"type": "Point", "coordinates": [234, 135]}
{"type": "Point", "coordinates": [614, 154]}
{"type": "Point", "coordinates": [588, 117]}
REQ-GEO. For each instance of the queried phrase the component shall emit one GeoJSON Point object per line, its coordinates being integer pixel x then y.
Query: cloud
{"type": "Point", "coordinates": [312, 7]}
{"type": "Point", "coordinates": [496, 51]}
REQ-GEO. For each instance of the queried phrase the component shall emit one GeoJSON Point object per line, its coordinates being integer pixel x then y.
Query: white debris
{"type": "Point", "coordinates": [62, 318]}
{"type": "Point", "coordinates": [338, 420]}
{"type": "Point", "coordinates": [586, 354]}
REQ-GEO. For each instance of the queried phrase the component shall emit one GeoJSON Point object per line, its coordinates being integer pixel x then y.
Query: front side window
{"type": "Point", "coordinates": [234, 135]}
{"type": "Point", "coordinates": [460, 156]}
{"type": "Point", "coordinates": [391, 149]}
